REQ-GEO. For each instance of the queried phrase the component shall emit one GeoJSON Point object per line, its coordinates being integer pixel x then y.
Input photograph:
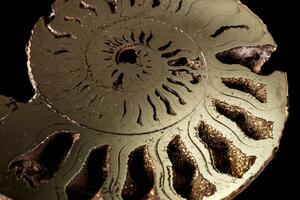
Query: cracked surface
{"type": "Point", "coordinates": [135, 78]}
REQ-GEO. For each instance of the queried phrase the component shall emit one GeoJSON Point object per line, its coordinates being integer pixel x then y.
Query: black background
{"type": "Point", "coordinates": [276, 181]}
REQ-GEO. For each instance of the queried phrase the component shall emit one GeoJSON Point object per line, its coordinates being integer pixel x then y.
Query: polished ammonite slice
{"type": "Point", "coordinates": [143, 99]}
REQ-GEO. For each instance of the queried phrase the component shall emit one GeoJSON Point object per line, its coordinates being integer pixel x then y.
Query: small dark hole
{"type": "Point", "coordinates": [127, 56]}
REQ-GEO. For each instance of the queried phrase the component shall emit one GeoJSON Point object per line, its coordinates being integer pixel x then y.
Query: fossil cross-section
{"type": "Point", "coordinates": [143, 100]}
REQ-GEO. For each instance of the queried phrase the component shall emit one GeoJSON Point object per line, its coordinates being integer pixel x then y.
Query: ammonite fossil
{"type": "Point", "coordinates": [143, 99]}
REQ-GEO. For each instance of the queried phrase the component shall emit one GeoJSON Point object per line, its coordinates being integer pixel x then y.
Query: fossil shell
{"type": "Point", "coordinates": [143, 100]}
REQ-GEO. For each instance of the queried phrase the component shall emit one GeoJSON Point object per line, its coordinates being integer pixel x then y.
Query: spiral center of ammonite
{"type": "Point", "coordinates": [137, 76]}
{"type": "Point", "coordinates": [127, 54]}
